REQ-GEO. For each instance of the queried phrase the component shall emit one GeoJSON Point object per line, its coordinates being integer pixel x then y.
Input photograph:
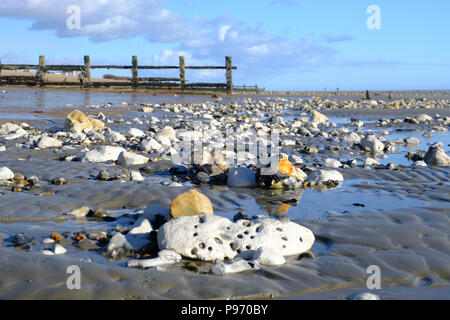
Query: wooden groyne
{"type": "Point", "coordinates": [84, 80]}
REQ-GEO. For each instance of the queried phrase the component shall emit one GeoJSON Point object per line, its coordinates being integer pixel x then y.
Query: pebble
{"type": "Point", "coordinates": [241, 178]}
{"type": "Point", "coordinates": [190, 203]}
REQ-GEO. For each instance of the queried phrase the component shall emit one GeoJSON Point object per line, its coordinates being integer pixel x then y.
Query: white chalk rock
{"type": "Point", "coordinates": [118, 241]}
{"type": "Point", "coordinates": [13, 131]}
{"type": "Point", "coordinates": [423, 118]}
{"type": "Point", "coordinates": [419, 164]}
{"type": "Point", "coordinates": [370, 162]}
{"type": "Point", "coordinates": [323, 176]}
{"type": "Point", "coordinates": [129, 242]}
{"type": "Point", "coordinates": [136, 176]}
{"type": "Point", "coordinates": [151, 146]}
{"type": "Point", "coordinates": [164, 257]}
{"type": "Point", "coordinates": [241, 178]}
{"type": "Point", "coordinates": [436, 156]}
{"type": "Point", "coordinates": [163, 140]}
{"type": "Point", "coordinates": [129, 159]}
{"type": "Point", "coordinates": [80, 212]}
{"type": "Point", "coordinates": [412, 141]}
{"type": "Point", "coordinates": [6, 173]}
{"type": "Point", "coordinates": [233, 266]}
{"type": "Point", "coordinates": [16, 135]}
{"type": "Point", "coordinates": [373, 144]}
{"type": "Point", "coordinates": [136, 133]}
{"type": "Point", "coordinates": [364, 296]}
{"type": "Point", "coordinates": [211, 237]}
{"type": "Point", "coordinates": [48, 142]}
{"type": "Point", "coordinates": [59, 249]}
{"type": "Point", "coordinates": [114, 136]}
{"type": "Point", "coordinates": [147, 109]}
{"type": "Point", "coordinates": [168, 132]}
{"type": "Point", "coordinates": [142, 228]}
{"type": "Point", "coordinates": [103, 154]}
{"type": "Point", "coordinates": [352, 138]}
{"type": "Point", "coordinates": [269, 257]}
{"type": "Point", "coordinates": [332, 163]}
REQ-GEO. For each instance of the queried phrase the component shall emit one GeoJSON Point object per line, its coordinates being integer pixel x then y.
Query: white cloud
{"type": "Point", "coordinates": [223, 32]}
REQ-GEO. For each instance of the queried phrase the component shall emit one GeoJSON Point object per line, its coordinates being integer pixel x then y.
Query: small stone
{"type": "Point", "coordinates": [364, 296]}
{"type": "Point", "coordinates": [136, 176]}
{"type": "Point", "coordinates": [190, 203]}
{"type": "Point", "coordinates": [241, 178]}
{"type": "Point", "coordinates": [77, 121]}
{"type": "Point", "coordinates": [130, 158]}
{"type": "Point", "coordinates": [142, 227]}
{"type": "Point", "coordinates": [59, 249]}
{"type": "Point", "coordinates": [18, 176]}
{"type": "Point", "coordinates": [6, 174]}
{"type": "Point", "coordinates": [48, 142]}
{"type": "Point", "coordinates": [103, 175]}
{"type": "Point", "coordinates": [16, 189]}
{"type": "Point", "coordinates": [287, 168]}
{"type": "Point", "coordinates": [323, 176]}
{"type": "Point", "coordinates": [21, 239]}
{"type": "Point", "coordinates": [56, 236]}
{"type": "Point", "coordinates": [80, 212]}
{"type": "Point", "coordinates": [80, 237]}
{"type": "Point", "coordinates": [59, 181]}
{"type": "Point", "coordinates": [436, 156]}
{"type": "Point", "coordinates": [374, 145]}
{"type": "Point", "coordinates": [319, 117]}
{"type": "Point", "coordinates": [86, 245]}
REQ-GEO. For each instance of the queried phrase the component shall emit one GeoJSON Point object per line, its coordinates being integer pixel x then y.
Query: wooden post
{"type": "Point", "coordinates": [229, 76]}
{"type": "Point", "coordinates": [182, 72]}
{"type": "Point", "coordinates": [134, 71]}
{"type": "Point", "coordinates": [87, 71]}
{"type": "Point", "coordinates": [40, 73]}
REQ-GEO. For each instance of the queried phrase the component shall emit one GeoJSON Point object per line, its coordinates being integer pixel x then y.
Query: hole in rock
{"type": "Point", "coordinates": [218, 240]}
{"type": "Point", "coordinates": [248, 247]}
{"type": "Point", "coordinates": [252, 237]}
{"type": "Point", "coordinates": [238, 251]}
{"type": "Point", "coordinates": [246, 224]}
{"type": "Point", "coordinates": [301, 240]}
{"type": "Point", "coordinates": [279, 229]}
{"type": "Point", "coordinates": [259, 229]}
{"type": "Point", "coordinates": [246, 232]}
{"type": "Point", "coordinates": [284, 238]}
{"type": "Point", "coordinates": [202, 245]}
{"type": "Point", "coordinates": [210, 248]}
{"type": "Point", "coordinates": [233, 246]}
{"type": "Point", "coordinates": [201, 220]}
{"type": "Point", "coordinates": [194, 251]}
{"type": "Point", "coordinates": [195, 234]}
{"type": "Point", "coordinates": [240, 236]}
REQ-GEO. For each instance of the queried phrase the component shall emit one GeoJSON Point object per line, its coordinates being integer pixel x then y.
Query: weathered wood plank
{"type": "Point", "coordinates": [134, 71]}
{"type": "Point", "coordinates": [86, 73]}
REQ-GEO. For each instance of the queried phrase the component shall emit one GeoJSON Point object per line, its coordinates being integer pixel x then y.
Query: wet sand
{"type": "Point", "coordinates": [403, 226]}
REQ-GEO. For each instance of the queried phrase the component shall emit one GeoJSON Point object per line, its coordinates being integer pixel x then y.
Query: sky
{"type": "Point", "coordinates": [276, 44]}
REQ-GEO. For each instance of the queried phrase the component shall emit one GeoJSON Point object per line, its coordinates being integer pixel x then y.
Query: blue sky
{"type": "Point", "coordinates": [277, 44]}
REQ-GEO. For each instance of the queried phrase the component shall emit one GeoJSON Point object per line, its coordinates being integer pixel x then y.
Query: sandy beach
{"type": "Point", "coordinates": [393, 213]}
